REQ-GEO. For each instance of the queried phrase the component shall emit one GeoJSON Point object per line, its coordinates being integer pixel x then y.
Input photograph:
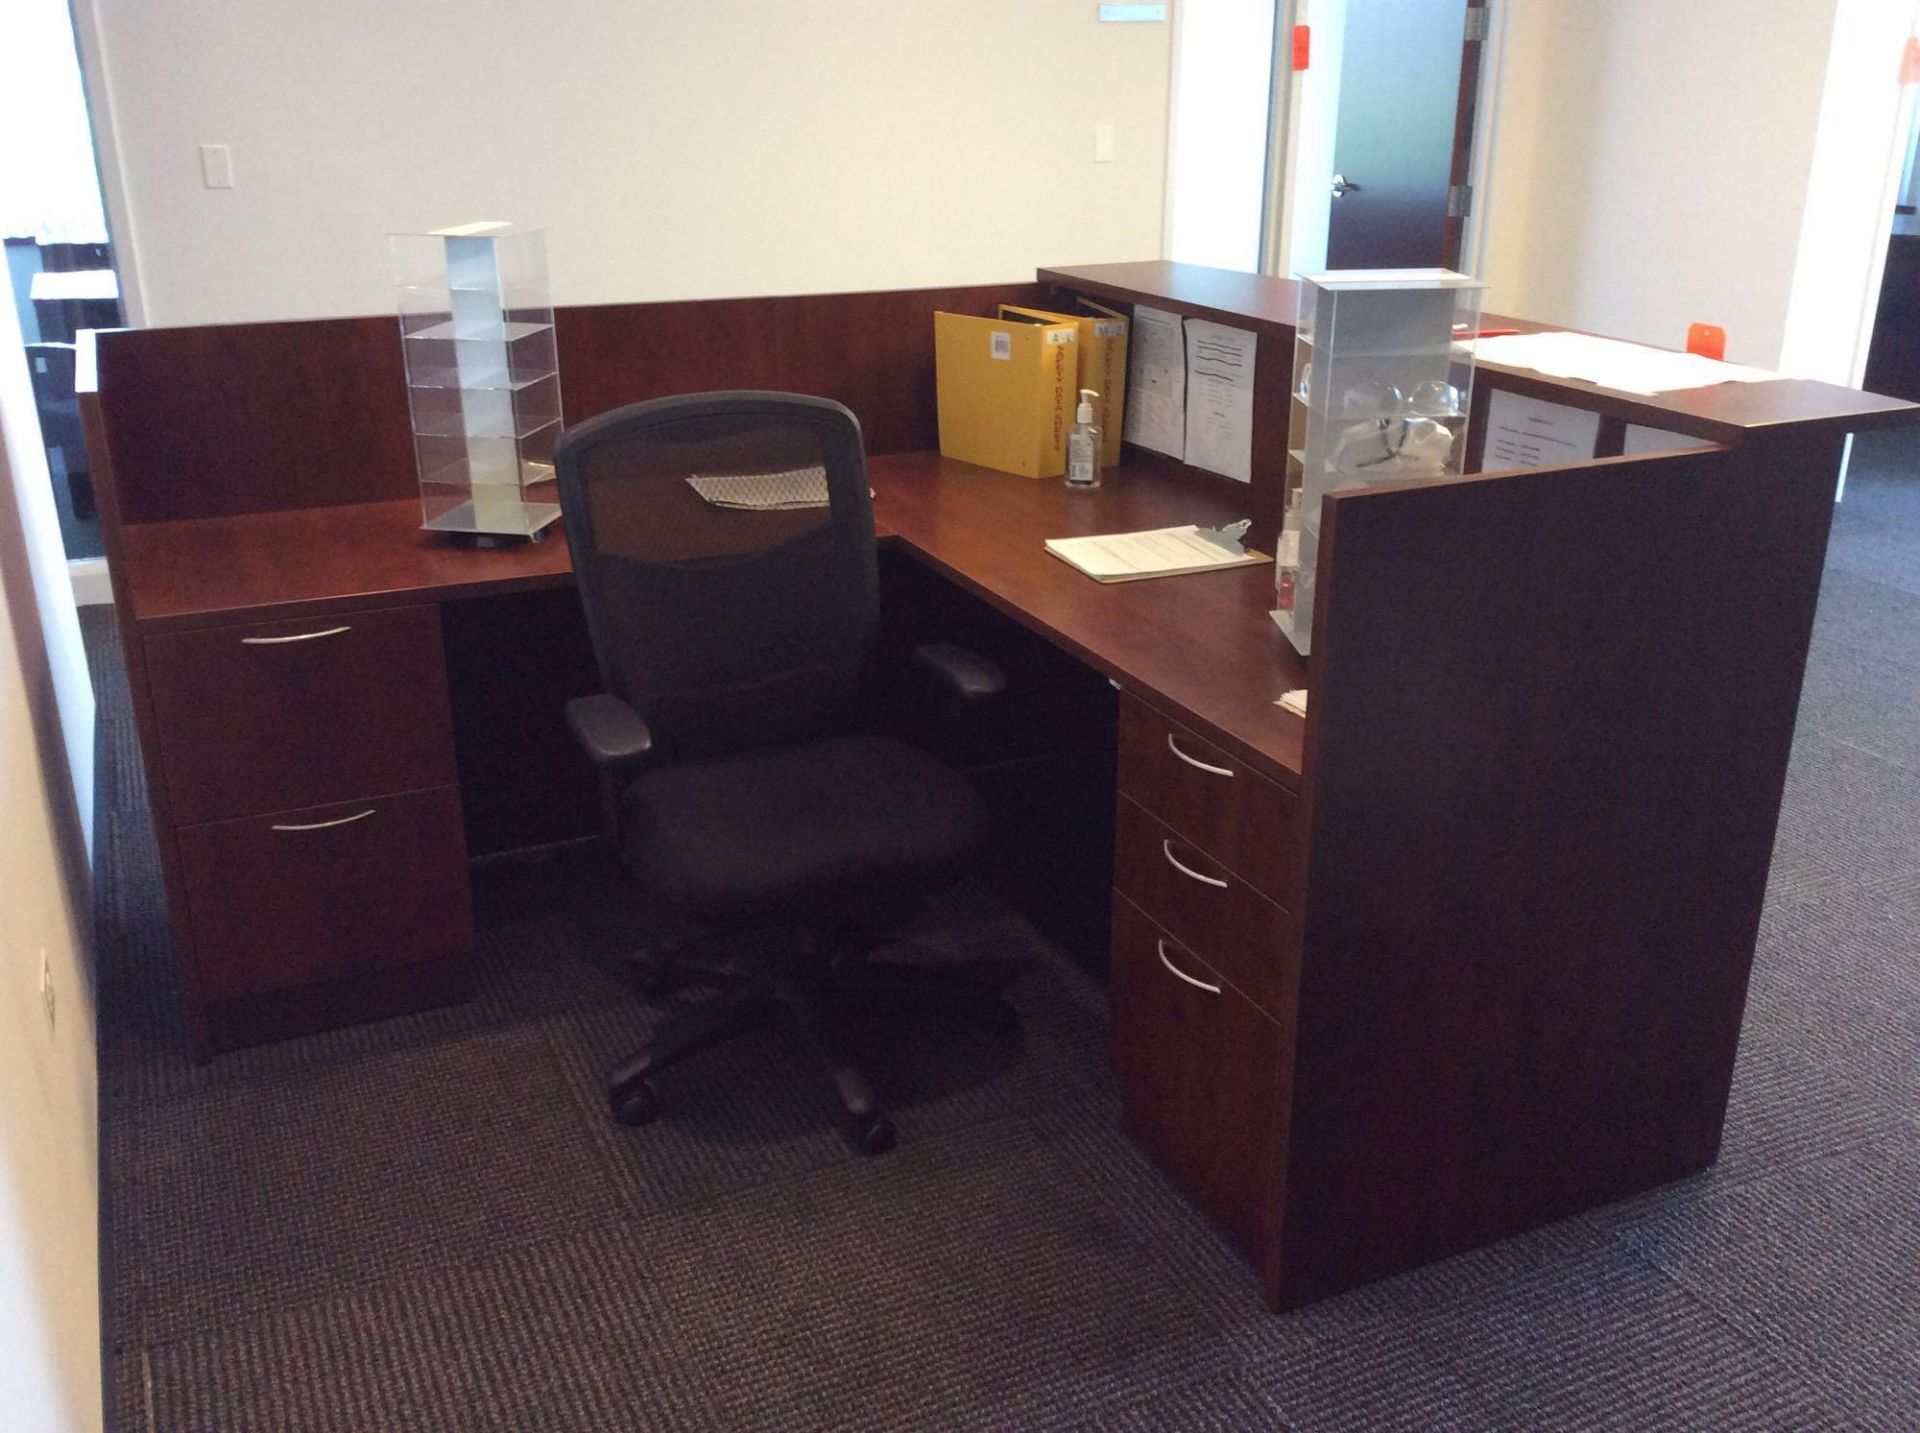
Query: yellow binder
{"type": "Point", "coordinates": [1006, 390]}
{"type": "Point", "coordinates": [1103, 365]}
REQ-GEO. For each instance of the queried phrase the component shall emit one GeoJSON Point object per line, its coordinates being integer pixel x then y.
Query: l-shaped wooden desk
{"type": "Point", "coordinates": [1464, 952]}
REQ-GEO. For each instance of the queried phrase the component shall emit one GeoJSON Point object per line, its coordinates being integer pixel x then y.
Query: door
{"type": "Point", "coordinates": [1409, 77]}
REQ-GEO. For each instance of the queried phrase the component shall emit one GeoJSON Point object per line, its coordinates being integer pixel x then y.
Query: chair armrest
{"type": "Point", "coordinates": [610, 732]}
{"type": "Point", "coordinates": [962, 678]}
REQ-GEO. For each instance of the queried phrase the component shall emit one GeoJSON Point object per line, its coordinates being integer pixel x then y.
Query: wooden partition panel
{"type": "Point", "coordinates": [614, 354]}
{"type": "Point", "coordinates": [255, 417]}
{"type": "Point", "coordinates": [872, 352]}
{"type": "Point", "coordinates": [1549, 731]}
{"type": "Point", "coordinates": [269, 417]}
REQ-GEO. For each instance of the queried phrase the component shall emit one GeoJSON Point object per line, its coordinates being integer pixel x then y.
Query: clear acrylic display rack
{"type": "Point", "coordinates": [1382, 382]}
{"type": "Point", "coordinates": [483, 379]}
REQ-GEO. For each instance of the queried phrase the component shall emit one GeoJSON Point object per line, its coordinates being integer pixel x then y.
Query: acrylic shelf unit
{"type": "Point", "coordinates": [483, 378]}
{"type": "Point", "coordinates": [1381, 390]}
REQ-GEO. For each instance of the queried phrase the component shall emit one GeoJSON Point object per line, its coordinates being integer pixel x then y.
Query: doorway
{"type": "Point", "coordinates": [61, 274]}
{"type": "Point", "coordinates": [1381, 137]}
{"type": "Point", "coordinates": [1403, 136]}
{"type": "Point", "coordinates": [1893, 358]}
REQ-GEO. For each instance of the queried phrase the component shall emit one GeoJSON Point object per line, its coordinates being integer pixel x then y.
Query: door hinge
{"type": "Point", "coordinates": [1479, 18]}
{"type": "Point", "coordinates": [1459, 201]}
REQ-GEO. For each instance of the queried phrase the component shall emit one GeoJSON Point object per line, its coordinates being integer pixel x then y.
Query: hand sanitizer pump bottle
{"type": "Point", "coordinates": [1083, 445]}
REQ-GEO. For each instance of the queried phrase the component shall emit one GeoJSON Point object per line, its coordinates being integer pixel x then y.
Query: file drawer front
{"type": "Point", "coordinates": [1210, 798]}
{"type": "Point", "coordinates": [280, 715]}
{"type": "Point", "coordinates": [1207, 908]}
{"type": "Point", "coordinates": [301, 897]}
{"type": "Point", "coordinates": [1198, 1070]}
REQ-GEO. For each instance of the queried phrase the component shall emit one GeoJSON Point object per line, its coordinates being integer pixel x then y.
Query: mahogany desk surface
{"type": "Point", "coordinates": [1200, 645]}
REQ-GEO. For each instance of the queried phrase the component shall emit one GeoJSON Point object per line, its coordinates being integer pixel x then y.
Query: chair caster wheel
{"type": "Point", "coordinates": [871, 1133]}
{"type": "Point", "coordinates": [634, 1104]}
{"type": "Point", "coordinates": [999, 1018]}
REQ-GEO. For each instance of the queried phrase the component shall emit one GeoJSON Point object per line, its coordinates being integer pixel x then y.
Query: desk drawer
{"type": "Point", "coordinates": [307, 896]}
{"type": "Point", "coordinates": [1199, 1076]}
{"type": "Point", "coordinates": [1210, 798]}
{"type": "Point", "coordinates": [1205, 906]}
{"type": "Point", "coordinates": [280, 715]}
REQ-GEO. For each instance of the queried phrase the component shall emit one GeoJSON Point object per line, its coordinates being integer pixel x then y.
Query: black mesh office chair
{"type": "Point", "coordinates": [732, 640]}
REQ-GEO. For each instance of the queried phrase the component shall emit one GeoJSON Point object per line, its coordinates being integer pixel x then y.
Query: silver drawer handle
{"type": "Point", "coordinates": [296, 637]}
{"type": "Point", "coordinates": [323, 825]}
{"type": "Point", "coordinates": [1166, 849]}
{"type": "Point", "coordinates": [1197, 984]}
{"type": "Point", "coordinates": [1174, 747]}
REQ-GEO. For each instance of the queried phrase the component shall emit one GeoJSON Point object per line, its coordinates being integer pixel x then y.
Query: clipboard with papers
{"type": "Point", "coordinates": [1158, 552]}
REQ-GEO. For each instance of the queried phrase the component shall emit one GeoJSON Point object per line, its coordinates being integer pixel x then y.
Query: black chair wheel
{"type": "Point", "coordinates": [634, 1104]}
{"type": "Point", "coordinates": [871, 1133]}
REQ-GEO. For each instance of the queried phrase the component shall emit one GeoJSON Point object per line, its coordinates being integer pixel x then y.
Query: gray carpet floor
{"type": "Point", "coordinates": [429, 1224]}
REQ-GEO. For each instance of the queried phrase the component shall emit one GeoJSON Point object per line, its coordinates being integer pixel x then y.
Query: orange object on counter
{"type": "Point", "coordinates": [1709, 340]}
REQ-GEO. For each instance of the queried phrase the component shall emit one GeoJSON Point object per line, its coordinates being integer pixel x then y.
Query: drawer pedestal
{"type": "Point", "coordinates": [304, 792]}
{"type": "Point", "coordinates": [1205, 974]}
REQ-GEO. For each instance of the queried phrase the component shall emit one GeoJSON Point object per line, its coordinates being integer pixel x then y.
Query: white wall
{"type": "Point", "coordinates": [43, 552]}
{"type": "Point", "coordinates": [1652, 164]}
{"type": "Point", "coordinates": [674, 150]}
{"type": "Point", "coordinates": [49, 1194]}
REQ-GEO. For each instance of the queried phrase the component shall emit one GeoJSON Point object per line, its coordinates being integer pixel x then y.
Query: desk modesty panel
{"type": "Point", "coordinates": [1462, 952]}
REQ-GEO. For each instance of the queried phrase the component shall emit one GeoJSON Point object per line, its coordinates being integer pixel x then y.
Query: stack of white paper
{"type": "Point", "coordinates": [1612, 362]}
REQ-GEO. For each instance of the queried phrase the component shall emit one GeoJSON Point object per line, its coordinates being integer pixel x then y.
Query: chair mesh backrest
{"type": "Point", "coordinates": [728, 625]}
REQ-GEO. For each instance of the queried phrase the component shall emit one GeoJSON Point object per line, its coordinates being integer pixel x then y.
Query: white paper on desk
{"type": "Point", "coordinates": [1612, 362]}
{"type": "Point", "coordinates": [1156, 383]}
{"type": "Point", "coordinates": [1220, 398]}
{"type": "Point", "coordinates": [1530, 433]}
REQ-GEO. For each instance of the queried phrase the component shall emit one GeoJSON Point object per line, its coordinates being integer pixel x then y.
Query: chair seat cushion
{"type": "Point", "coordinates": [784, 834]}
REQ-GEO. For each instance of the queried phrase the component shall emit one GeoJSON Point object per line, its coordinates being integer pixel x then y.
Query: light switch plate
{"type": "Point", "coordinates": [1103, 144]}
{"type": "Point", "coordinates": [216, 166]}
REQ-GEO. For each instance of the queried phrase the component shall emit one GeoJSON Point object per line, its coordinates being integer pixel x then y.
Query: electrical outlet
{"type": "Point", "coordinates": [46, 987]}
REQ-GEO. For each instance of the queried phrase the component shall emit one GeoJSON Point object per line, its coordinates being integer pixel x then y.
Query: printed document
{"type": "Point", "coordinates": [1220, 399]}
{"type": "Point", "coordinates": [1156, 383]}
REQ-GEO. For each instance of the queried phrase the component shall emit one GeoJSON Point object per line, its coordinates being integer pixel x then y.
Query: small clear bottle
{"type": "Point", "coordinates": [1083, 445]}
{"type": "Point", "coordinates": [1286, 567]}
